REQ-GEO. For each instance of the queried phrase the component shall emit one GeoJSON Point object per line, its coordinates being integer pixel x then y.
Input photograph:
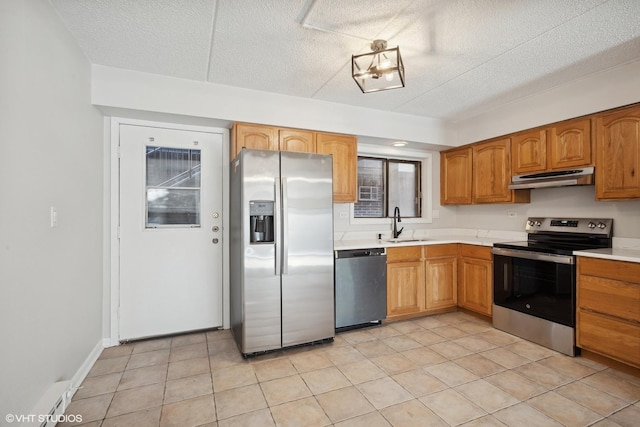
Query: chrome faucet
{"type": "Point", "coordinates": [396, 220]}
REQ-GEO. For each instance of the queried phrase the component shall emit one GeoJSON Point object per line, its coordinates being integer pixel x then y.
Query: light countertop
{"type": "Point", "coordinates": [617, 254]}
{"type": "Point", "coordinates": [624, 249]}
{"type": "Point", "coordinates": [425, 237]}
{"type": "Point", "coordinates": [440, 240]}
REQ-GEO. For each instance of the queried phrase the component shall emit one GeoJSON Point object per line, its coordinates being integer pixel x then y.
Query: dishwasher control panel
{"type": "Point", "coordinates": [355, 253]}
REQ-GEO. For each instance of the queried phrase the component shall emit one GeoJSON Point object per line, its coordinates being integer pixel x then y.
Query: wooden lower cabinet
{"type": "Point", "coordinates": [405, 288]}
{"type": "Point", "coordinates": [441, 276]}
{"type": "Point", "coordinates": [475, 278]}
{"type": "Point", "coordinates": [420, 279]}
{"type": "Point", "coordinates": [405, 281]}
{"type": "Point", "coordinates": [608, 309]}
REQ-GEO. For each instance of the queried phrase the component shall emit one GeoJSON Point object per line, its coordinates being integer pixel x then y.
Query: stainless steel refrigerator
{"type": "Point", "coordinates": [281, 249]}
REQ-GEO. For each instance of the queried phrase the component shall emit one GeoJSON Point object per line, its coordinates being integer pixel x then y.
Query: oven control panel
{"type": "Point", "coordinates": [599, 226]}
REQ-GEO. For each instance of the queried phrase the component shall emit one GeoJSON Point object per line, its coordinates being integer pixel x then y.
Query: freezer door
{"type": "Point", "coordinates": [261, 290]}
{"type": "Point", "coordinates": [307, 248]}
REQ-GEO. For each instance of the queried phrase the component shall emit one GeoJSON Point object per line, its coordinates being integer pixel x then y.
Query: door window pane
{"type": "Point", "coordinates": [172, 187]}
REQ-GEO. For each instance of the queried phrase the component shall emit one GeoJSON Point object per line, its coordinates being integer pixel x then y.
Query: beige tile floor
{"type": "Point", "coordinates": [451, 369]}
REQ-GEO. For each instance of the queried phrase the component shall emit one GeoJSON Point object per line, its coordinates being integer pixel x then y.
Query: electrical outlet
{"type": "Point", "coordinates": [344, 215]}
{"type": "Point", "coordinates": [53, 216]}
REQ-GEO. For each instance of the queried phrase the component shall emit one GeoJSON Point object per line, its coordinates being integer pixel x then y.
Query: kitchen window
{"type": "Point", "coordinates": [384, 183]}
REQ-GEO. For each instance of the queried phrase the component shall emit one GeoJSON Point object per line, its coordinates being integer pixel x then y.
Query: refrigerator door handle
{"type": "Point", "coordinates": [277, 225]}
{"type": "Point", "coordinates": [285, 228]}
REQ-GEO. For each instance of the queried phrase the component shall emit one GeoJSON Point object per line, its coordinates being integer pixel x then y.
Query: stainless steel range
{"type": "Point", "coordinates": [534, 282]}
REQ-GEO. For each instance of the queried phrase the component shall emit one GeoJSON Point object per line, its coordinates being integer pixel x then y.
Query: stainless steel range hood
{"type": "Point", "coordinates": [561, 178]}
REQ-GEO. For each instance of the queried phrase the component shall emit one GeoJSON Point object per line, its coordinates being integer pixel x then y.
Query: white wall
{"type": "Point", "coordinates": [609, 89]}
{"type": "Point", "coordinates": [560, 202]}
{"type": "Point", "coordinates": [125, 89]}
{"type": "Point", "coordinates": [51, 136]}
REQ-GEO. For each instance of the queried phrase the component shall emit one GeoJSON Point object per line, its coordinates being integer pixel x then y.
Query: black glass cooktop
{"type": "Point", "coordinates": [563, 245]}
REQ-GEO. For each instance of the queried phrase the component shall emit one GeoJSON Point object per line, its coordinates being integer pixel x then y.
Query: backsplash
{"type": "Point", "coordinates": [558, 202]}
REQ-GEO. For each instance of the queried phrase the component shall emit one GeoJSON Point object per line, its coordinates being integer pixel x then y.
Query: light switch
{"type": "Point", "coordinates": [54, 217]}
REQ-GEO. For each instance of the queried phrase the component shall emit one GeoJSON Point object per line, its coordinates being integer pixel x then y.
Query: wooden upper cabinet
{"type": "Point", "coordinates": [492, 172]}
{"type": "Point", "coordinates": [456, 168]}
{"type": "Point", "coordinates": [344, 149]}
{"type": "Point", "coordinates": [570, 144]}
{"type": "Point", "coordinates": [297, 140]}
{"type": "Point", "coordinates": [529, 152]}
{"type": "Point", "coordinates": [252, 136]}
{"type": "Point", "coordinates": [563, 145]}
{"type": "Point", "coordinates": [618, 155]}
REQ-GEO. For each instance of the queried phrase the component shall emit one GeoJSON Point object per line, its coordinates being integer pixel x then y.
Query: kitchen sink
{"type": "Point", "coordinates": [406, 240]}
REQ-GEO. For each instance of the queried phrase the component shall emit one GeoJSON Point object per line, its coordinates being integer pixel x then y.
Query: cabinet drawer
{"type": "Point", "coordinates": [436, 251]}
{"type": "Point", "coordinates": [404, 254]}
{"type": "Point", "coordinates": [475, 251]}
{"type": "Point", "coordinates": [616, 270]}
{"type": "Point", "coordinates": [612, 297]}
{"type": "Point", "coordinates": [616, 339]}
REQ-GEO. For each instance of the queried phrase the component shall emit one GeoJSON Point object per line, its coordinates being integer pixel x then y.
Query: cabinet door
{"type": "Point", "coordinates": [441, 276]}
{"type": "Point", "coordinates": [492, 172]}
{"type": "Point", "coordinates": [405, 288]}
{"type": "Point", "coordinates": [529, 152]}
{"type": "Point", "coordinates": [570, 144]}
{"type": "Point", "coordinates": [297, 140]}
{"type": "Point", "coordinates": [609, 336]}
{"type": "Point", "coordinates": [254, 136]}
{"type": "Point", "coordinates": [475, 287]}
{"type": "Point", "coordinates": [618, 155]}
{"type": "Point", "coordinates": [344, 149]}
{"type": "Point", "coordinates": [455, 177]}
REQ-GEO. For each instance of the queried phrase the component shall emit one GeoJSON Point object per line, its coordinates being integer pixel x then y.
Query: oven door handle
{"type": "Point", "coordinates": [535, 256]}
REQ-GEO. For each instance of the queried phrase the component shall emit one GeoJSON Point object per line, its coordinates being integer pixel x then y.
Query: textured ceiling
{"type": "Point", "coordinates": [461, 57]}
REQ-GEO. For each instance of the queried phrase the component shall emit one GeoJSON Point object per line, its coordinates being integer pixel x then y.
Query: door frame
{"type": "Point", "coordinates": [111, 292]}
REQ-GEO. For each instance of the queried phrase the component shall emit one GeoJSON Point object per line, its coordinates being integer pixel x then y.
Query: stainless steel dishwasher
{"type": "Point", "coordinates": [361, 287]}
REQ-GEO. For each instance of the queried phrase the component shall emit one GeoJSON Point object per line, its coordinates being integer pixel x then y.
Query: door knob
{"type": "Point", "coordinates": [215, 228]}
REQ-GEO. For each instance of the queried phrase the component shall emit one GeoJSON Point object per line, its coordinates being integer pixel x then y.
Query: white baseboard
{"type": "Point", "coordinates": [58, 396]}
{"type": "Point", "coordinates": [86, 366]}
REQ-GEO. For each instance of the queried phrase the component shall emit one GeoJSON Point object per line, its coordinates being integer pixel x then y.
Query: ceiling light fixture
{"type": "Point", "coordinates": [381, 69]}
{"type": "Point", "coordinates": [399, 143]}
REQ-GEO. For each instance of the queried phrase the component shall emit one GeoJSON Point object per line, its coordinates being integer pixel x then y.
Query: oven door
{"type": "Point", "coordinates": [538, 284]}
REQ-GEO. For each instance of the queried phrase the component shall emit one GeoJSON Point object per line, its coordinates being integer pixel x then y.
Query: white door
{"type": "Point", "coordinates": [170, 231]}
